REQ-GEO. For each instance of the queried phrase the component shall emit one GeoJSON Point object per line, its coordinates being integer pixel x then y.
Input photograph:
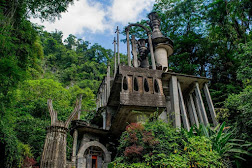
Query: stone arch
{"type": "Point", "coordinates": [107, 156]}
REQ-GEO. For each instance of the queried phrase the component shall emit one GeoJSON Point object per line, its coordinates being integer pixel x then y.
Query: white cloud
{"type": "Point", "coordinates": [81, 15]}
{"type": "Point", "coordinates": [96, 17]}
{"type": "Point", "coordinates": [124, 11]}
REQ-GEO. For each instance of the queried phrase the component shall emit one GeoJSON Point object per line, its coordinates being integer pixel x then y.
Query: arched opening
{"type": "Point", "coordinates": [85, 155]}
{"type": "Point", "coordinates": [146, 86]}
{"type": "Point", "coordinates": [125, 84]}
{"type": "Point", "coordinates": [94, 156]}
{"type": "Point", "coordinates": [156, 86]}
{"type": "Point", "coordinates": [136, 84]}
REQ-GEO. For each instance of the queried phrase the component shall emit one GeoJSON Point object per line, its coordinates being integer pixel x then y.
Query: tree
{"type": "Point", "coordinates": [20, 55]}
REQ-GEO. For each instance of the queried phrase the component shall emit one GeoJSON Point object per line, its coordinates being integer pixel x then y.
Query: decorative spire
{"type": "Point", "coordinates": [118, 54]}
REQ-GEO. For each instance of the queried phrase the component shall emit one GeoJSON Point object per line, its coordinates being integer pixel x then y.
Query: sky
{"type": "Point", "coordinates": [96, 20]}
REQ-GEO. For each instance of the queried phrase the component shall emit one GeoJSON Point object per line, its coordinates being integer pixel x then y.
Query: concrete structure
{"type": "Point", "coordinates": [133, 93]}
{"type": "Point", "coordinates": [54, 152]}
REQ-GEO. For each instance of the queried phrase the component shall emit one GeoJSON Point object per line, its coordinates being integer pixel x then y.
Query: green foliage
{"type": "Point", "coordinates": [240, 113]}
{"type": "Point", "coordinates": [211, 39]}
{"type": "Point", "coordinates": [245, 69]}
{"type": "Point", "coordinates": [74, 63]}
{"type": "Point", "coordinates": [167, 147]}
{"type": "Point", "coordinates": [223, 142]}
{"type": "Point", "coordinates": [206, 37]}
{"type": "Point", "coordinates": [31, 111]}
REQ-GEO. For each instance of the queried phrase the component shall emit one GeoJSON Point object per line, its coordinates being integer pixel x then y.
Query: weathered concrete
{"type": "Point", "coordinates": [75, 139]}
{"type": "Point", "coordinates": [183, 109]}
{"type": "Point", "coordinates": [85, 162]}
{"type": "Point", "coordinates": [192, 111]}
{"type": "Point", "coordinates": [175, 101]}
{"type": "Point", "coordinates": [201, 103]}
{"type": "Point", "coordinates": [54, 152]}
{"type": "Point", "coordinates": [210, 105]}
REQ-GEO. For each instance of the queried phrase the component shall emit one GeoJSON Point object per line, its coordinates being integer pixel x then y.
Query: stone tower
{"type": "Point", "coordinates": [137, 90]}
{"type": "Point", "coordinates": [131, 94]}
{"type": "Point", "coordinates": [54, 152]}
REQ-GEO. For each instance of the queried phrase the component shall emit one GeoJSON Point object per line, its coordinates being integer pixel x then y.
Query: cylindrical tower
{"type": "Point", "coordinates": [163, 46]}
{"type": "Point", "coordinates": [54, 153]}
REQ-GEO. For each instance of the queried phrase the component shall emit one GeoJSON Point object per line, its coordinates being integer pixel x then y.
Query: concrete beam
{"type": "Point", "coordinates": [183, 109]}
{"type": "Point", "coordinates": [210, 104]}
{"type": "Point", "coordinates": [75, 138]}
{"type": "Point", "coordinates": [175, 101]}
{"type": "Point", "coordinates": [193, 110]}
{"type": "Point", "coordinates": [201, 103]}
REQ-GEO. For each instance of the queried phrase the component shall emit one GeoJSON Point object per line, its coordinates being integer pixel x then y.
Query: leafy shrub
{"type": "Point", "coordinates": [157, 144]}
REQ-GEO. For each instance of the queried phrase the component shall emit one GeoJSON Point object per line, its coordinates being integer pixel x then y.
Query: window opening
{"type": "Point", "coordinates": [125, 84]}
{"type": "Point", "coordinates": [156, 87]}
{"type": "Point", "coordinates": [146, 86]}
{"type": "Point", "coordinates": [135, 84]}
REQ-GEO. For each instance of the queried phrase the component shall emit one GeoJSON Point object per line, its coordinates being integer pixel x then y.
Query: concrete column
{"type": "Point", "coordinates": [103, 95]}
{"type": "Point", "coordinates": [108, 117]}
{"type": "Point", "coordinates": [100, 100]}
{"type": "Point", "coordinates": [108, 82]}
{"type": "Point", "coordinates": [201, 103]}
{"type": "Point", "coordinates": [97, 103]}
{"type": "Point", "coordinates": [104, 119]}
{"type": "Point", "coordinates": [193, 110]}
{"type": "Point", "coordinates": [89, 161]}
{"type": "Point", "coordinates": [161, 57]}
{"type": "Point", "coordinates": [128, 47]}
{"type": "Point", "coordinates": [118, 54]}
{"type": "Point", "coordinates": [196, 102]}
{"type": "Point", "coordinates": [80, 163]}
{"type": "Point", "coordinates": [115, 63]}
{"type": "Point", "coordinates": [75, 138]}
{"type": "Point", "coordinates": [210, 104]}
{"type": "Point", "coordinates": [175, 101]}
{"type": "Point", "coordinates": [183, 109]}
{"type": "Point", "coordinates": [134, 51]}
{"type": "Point", "coordinates": [153, 63]}
{"type": "Point", "coordinates": [99, 162]}
{"type": "Point", "coordinates": [168, 109]}
{"type": "Point", "coordinates": [84, 164]}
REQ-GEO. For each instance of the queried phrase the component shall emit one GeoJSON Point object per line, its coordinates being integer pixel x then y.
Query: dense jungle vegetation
{"type": "Point", "coordinates": [211, 38]}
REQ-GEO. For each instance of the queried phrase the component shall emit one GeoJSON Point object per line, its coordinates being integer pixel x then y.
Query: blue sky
{"type": "Point", "coordinates": [96, 20]}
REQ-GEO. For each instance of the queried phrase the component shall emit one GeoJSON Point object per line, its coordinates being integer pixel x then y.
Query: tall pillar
{"type": "Point", "coordinates": [210, 104]}
{"type": "Point", "coordinates": [103, 95]}
{"type": "Point", "coordinates": [54, 151]}
{"type": "Point", "coordinates": [118, 54]}
{"type": "Point", "coordinates": [175, 101]}
{"type": "Point", "coordinates": [104, 119]}
{"type": "Point", "coordinates": [192, 111]}
{"type": "Point", "coordinates": [168, 108]}
{"type": "Point", "coordinates": [105, 91]}
{"type": "Point", "coordinates": [108, 82]}
{"type": "Point", "coordinates": [153, 63]}
{"type": "Point", "coordinates": [54, 155]}
{"type": "Point", "coordinates": [108, 117]}
{"type": "Point", "coordinates": [198, 110]}
{"type": "Point", "coordinates": [75, 138]}
{"type": "Point", "coordinates": [89, 161]}
{"type": "Point", "coordinates": [183, 109]}
{"type": "Point", "coordinates": [115, 63]}
{"type": "Point", "coordinates": [134, 51]}
{"type": "Point", "coordinates": [201, 103]}
{"type": "Point", "coordinates": [128, 46]}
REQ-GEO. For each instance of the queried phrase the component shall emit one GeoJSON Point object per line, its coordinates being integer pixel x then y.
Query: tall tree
{"type": "Point", "coordinates": [20, 55]}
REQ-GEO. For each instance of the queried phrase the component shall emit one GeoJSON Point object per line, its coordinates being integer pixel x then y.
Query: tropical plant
{"type": "Point", "coordinates": [222, 141]}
